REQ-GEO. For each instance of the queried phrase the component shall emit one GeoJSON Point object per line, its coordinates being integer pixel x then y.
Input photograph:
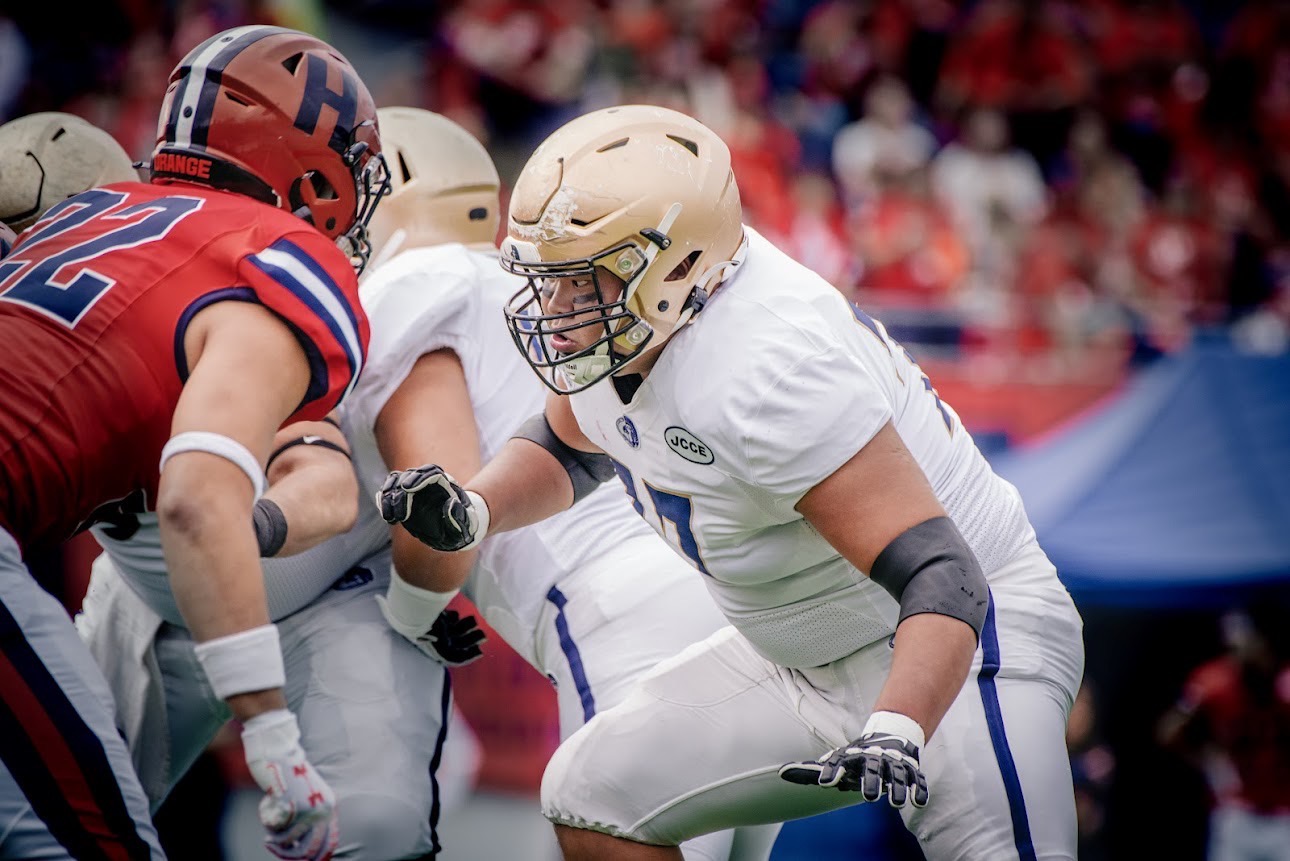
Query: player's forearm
{"type": "Point", "coordinates": [930, 662]}
{"type": "Point", "coordinates": [214, 564]}
{"type": "Point", "coordinates": [522, 485]}
{"type": "Point", "coordinates": [218, 585]}
{"type": "Point", "coordinates": [426, 568]}
{"type": "Point", "coordinates": [318, 500]}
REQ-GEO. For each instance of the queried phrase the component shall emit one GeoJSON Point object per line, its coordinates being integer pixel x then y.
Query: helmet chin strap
{"type": "Point", "coordinates": [591, 367]}
{"type": "Point", "coordinates": [710, 280]}
{"type": "Point", "coordinates": [652, 248]}
{"type": "Point", "coordinates": [725, 268]}
{"type": "Point", "coordinates": [586, 369]}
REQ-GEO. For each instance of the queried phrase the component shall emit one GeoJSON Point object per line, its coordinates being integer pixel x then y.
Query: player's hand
{"type": "Point", "coordinates": [453, 640]}
{"type": "Point", "coordinates": [884, 759]}
{"type": "Point", "coordinates": [435, 509]}
{"type": "Point", "coordinates": [298, 810]}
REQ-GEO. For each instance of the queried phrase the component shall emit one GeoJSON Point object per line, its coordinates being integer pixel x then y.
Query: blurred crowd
{"type": "Point", "coordinates": [1058, 184]}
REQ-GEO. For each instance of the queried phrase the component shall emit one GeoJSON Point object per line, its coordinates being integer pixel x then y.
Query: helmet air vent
{"type": "Point", "coordinates": [615, 145]}
{"type": "Point", "coordinates": [682, 269]}
{"type": "Point", "coordinates": [403, 168]}
{"type": "Point", "coordinates": [685, 142]}
{"type": "Point", "coordinates": [292, 62]}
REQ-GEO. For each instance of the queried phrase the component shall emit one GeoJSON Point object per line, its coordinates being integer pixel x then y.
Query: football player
{"type": "Point", "coordinates": [887, 596]}
{"type": "Point", "coordinates": [345, 668]}
{"type": "Point", "coordinates": [130, 621]}
{"type": "Point", "coordinates": [46, 158]}
{"type": "Point", "coordinates": [157, 337]}
{"type": "Point", "coordinates": [590, 598]}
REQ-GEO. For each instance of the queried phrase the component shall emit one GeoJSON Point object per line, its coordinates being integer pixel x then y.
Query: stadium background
{"type": "Point", "coordinates": [1050, 202]}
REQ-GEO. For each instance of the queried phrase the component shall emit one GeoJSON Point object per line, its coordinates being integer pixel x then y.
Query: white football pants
{"type": "Point", "coordinates": [607, 625]}
{"type": "Point", "coordinates": [697, 746]}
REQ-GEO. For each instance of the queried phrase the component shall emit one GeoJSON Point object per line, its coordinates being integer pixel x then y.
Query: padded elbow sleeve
{"type": "Point", "coordinates": [929, 568]}
{"type": "Point", "coordinates": [587, 470]}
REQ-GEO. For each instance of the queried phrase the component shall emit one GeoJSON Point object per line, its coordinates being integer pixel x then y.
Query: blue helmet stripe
{"type": "Point", "coordinates": [194, 103]}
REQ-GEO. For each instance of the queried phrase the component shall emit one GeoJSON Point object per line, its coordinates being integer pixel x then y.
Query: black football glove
{"type": "Point", "coordinates": [879, 761]}
{"type": "Point", "coordinates": [456, 640]}
{"type": "Point", "coordinates": [435, 509]}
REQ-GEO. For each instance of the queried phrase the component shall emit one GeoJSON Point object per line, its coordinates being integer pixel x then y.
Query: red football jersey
{"type": "Point", "coordinates": [94, 302]}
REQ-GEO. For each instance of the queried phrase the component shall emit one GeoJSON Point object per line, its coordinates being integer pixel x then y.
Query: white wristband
{"type": "Point", "coordinates": [221, 446]}
{"type": "Point", "coordinates": [482, 519]}
{"type": "Point", "coordinates": [243, 662]}
{"type": "Point", "coordinates": [895, 723]}
{"type": "Point", "coordinates": [411, 608]}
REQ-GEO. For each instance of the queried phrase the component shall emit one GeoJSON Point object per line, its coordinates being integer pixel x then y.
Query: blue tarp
{"type": "Point", "coordinates": [1174, 488]}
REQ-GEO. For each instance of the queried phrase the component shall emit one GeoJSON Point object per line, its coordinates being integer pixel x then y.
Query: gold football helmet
{"type": "Point", "coordinates": [445, 187]}
{"type": "Point", "coordinates": [643, 193]}
{"type": "Point", "coordinates": [46, 158]}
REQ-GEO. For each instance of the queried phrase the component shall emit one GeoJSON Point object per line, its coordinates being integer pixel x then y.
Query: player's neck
{"type": "Point", "coordinates": [629, 382]}
{"type": "Point", "coordinates": [626, 386]}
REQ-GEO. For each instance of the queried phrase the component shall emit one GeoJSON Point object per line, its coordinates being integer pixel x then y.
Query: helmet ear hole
{"type": "Point", "coordinates": [299, 206]}
{"type": "Point", "coordinates": [302, 201]}
{"type": "Point", "coordinates": [323, 189]}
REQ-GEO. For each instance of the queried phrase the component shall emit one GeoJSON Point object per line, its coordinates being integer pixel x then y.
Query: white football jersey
{"type": "Point", "coordinates": [772, 388]}
{"type": "Point", "coordinates": [451, 297]}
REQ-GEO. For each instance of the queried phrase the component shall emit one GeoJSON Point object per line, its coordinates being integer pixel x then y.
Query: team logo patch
{"type": "Point", "coordinates": [687, 445]}
{"type": "Point", "coordinates": [628, 430]}
{"type": "Point", "coordinates": [352, 579]}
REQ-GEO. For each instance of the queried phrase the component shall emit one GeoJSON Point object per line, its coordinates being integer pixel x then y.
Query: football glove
{"type": "Point", "coordinates": [884, 759]}
{"type": "Point", "coordinates": [453, 640]}
{"type": "Point", "coordinates": [435, 509]}
{"type": "Point", "coordinates": [298, 810]}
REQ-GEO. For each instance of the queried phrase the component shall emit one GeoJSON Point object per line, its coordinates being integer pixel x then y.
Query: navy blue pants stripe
{"type": "Point", "coordinates": [999, 739]}
{"type": "Point", "coordinates": [445, 710]}
{"type": "Point", "coordinates": [69, 783]}
{"type": "Point", "coordinates": [570, 649]}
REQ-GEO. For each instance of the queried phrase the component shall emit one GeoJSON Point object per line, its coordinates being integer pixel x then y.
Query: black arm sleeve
{"type": "Point", "coordinates": [929, 568]}
{"type": "Point", "coordinates": [586, 470]}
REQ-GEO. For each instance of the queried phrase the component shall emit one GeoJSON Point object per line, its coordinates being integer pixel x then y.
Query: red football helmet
{"type": "Point", "coordinates": [282, 117]}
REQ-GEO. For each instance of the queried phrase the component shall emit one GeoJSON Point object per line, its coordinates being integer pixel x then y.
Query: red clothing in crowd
{"type": "Point", "coordinates": [1254, 734]}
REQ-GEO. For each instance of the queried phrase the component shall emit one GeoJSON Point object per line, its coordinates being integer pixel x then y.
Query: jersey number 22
{"type": "Point", "coordinates": [63, 286]}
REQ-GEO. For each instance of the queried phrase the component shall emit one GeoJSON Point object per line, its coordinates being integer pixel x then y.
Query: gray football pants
{"type": "Point", "coordinates": [371, 707]}
{"type": "Point", "coordinates": [67, 788]}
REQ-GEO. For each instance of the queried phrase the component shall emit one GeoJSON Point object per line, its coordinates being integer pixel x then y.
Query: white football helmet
{"type": "Point", "coordinates": [642, 192]}
{"type": "Point", "coordinates": [46, 158]}
{"type": "Point", "coordinates": [445, 186]}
